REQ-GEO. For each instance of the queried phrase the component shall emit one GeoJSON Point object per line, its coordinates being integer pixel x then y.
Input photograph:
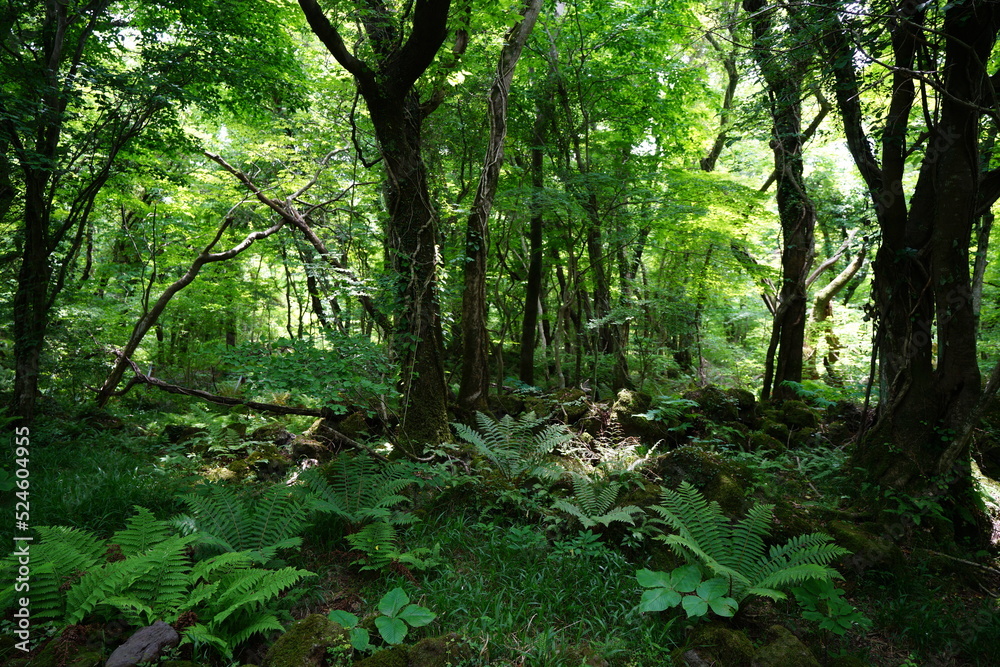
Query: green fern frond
{"type": "Point", "coordinates": [358, 490]}
{"type": "Point", "coordinates": [377, 541]}
{"type": "Point", "coordinates": [514, 446]}
{"type": "Point", "coordinates": [594, 508]}
{"type": "Point", "coordinates": [706, 538]}
{"type": "Point", "coordinates": [142, 531]}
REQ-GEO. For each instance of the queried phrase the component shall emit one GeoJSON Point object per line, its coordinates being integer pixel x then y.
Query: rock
{"type": "Point", "coordinates": [571, 404]}
{"type": "Point", "coordinates": [775, 429]}
{"type": "Point", "coordinates": [392, 657]}
{"type": "Point", "coordinates": [728, 493]}
{"type": "Point", "coordinates": [353, 425]}
{"type": "Point", "coordinates": [717, 478]}
{"type": "Point", "coordinates": [746, 405]}
{"type": "Point", "coordinates": [715, 404]}
{"type": "Point", "coordinates": [797, 414]}
{"type": "Point", "coordinates": [306, 642]}
{"type": "Point", "coordinates": [758, 441]}
{"type": "Point", "coordinates": [273, 433]}
{"type": "Point", "coordinates": [868, 550]}
{"type": "Point", "coordinates": [146, 645]}
{"type": "Point", "coordinates": [804, 438]}
{"type": "Point", "coordinates": [629, 408]}
{"type": "Point", "coordinates": [307, 448]}
{"type": "Point", "coordinates": [718, 645]}
{"type": "Point", "coordinates": [442, 651]}
{"type": "Point", "coordinates": [784, 650]}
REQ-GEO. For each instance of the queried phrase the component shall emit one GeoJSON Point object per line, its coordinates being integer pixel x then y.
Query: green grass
{"type": "Point", "coordinates": [521, 599]}
{"type": "Point", "coordinates": [91, 478]}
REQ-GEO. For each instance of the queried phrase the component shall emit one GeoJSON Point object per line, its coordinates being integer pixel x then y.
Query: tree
{"type": "Point", "coordinates": [82, 85]}
{"type": "Point", "coordinates": [938, 91]}
{"type": "Point", "coordinates": [387, 81]}
{"type": "Point", "coordinates": [783, 77]}
{"type": "Point", "coordinates": [475, 341]}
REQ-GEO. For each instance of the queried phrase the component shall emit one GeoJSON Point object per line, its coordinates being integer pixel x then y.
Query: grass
{"type": "Point", "coordinates": [522, 600]}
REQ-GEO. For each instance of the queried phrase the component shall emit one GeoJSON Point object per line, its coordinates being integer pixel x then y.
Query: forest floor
{"type": "Point", "coordinates": [521, 542]}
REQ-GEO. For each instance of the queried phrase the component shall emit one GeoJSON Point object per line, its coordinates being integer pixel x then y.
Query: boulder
{"type": "Point", "coordinates": [274, 433]}
{"type": "Point", "coordinates": [443, 651]}
{"type": "Point", "coordinates": [306, 642]}
{"type": "Point", "coordinates": [146, 645]}
{"type": "Point", "coordinates": [303, 447]}
{"type": "Point", "coordinates": [716, 404]}
{"type": "Point", "coordinates": [391, 657]}
{"type": "Point", "coordinates": [784, 650]}
{"type": "Point", "coordinates": [796, 414]}
{"type": "Point", "coordinates": [629, 408]}
{"type": "Point", "coordinates": [717, 645]}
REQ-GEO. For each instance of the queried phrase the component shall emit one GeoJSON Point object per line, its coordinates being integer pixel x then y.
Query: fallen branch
{"type": "Point", "coordinates": [325, 413]}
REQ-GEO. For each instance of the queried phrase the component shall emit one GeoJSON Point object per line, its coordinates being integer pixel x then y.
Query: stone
{"type": "Point", "coordinates": [307, 448]}
{"type": "Point", "coordinates": [797, 414]}
{"type": "Point", "coordinates": [146, 645]}
{"type": "Point", "coordinates": [392, 657]}
{"type": "Point", "coordinates": [306, 642]}
{"type": "Point", "coordinates": [442, 651]}
{"type": "Point", "coordinates": [784, 650]}
{"type": "Point", "coordinates": [718, 645]}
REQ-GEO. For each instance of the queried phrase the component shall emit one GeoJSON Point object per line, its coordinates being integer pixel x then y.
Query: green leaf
{"type": "Point", "coordinates": [713, 588]}
{"type": "Point", "coordinates": [393, 601]}
{"type": "Point", "coordinates": [685, 579]}
{"type": "Point", "coordinates": [344, 618]}
{"type": "Point", "coordinates": [651, 579]}
{"type": "Point", "coordinates": [694, 606]}
{"type": "Point", "coordinates": [724, 606]}
{"type": "Point", "coordinates": [416, 615]}
{"type": "Point", "coordinates": [658, 599]}
{"type": "Point", "coordinates": [393, 630]}
{"type": "Point", "coordinates": [360, 639]}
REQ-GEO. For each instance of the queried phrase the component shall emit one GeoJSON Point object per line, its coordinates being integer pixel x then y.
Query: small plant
{"type": "Point", "coordinates": [684, 586]}
{"type": "Point", "coordinates": [671, 410]}
{"type": "Point", "coordinates": [584, 545]}
{"type": "Point", "coordinates": [735, 554]}
{"type": "Point", "coordinates": [593, 508]}
{"type": "Point", "coordinates": [377, 541]}
{"type": "Point", "coordinates": [515, 447]}
{"type": "Point", "coordinates": [398, 615]}
{"type": "Point", "coordinates": [824, 603]}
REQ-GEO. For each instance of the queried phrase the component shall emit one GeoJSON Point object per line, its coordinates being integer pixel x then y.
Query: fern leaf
{"type": "Point", "coordinates": [747, 542]}
{"type": "Point", "coordinates": [142, 531]}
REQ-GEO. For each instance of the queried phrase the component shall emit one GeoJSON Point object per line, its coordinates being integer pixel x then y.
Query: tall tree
{"type": "Point", "coordinates": [401, 46]}
{"type": "Point", "coordinates": [475, 341]}
{"type": "Point", "coordinates": [939, 90]}
{"type": "Point", "coordinates": [783, 77]}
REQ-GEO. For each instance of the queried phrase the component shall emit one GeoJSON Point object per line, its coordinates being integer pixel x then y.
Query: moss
{"type": "Point", "coordinates": [746, 405]}
{"type": "Point", "coordinates": [307, 448]}
{"type": "Point", "coordinates": [717, 644]}
{"type": "Point", "coordinates": [775, 429]}
{"type": "Point", "coordinates": [868, 550]}
{"type": "Point", "coordinates": [702, 468]}
{"type": "Point", "coordinates": [353, 425]}
{"type": "Point", "coordinates": [726, 491]}
{"type": "Point", "coordinates": [628, 408]}
{"type": "Point", "coordinates": [571, 404]}
{"type": "Point", "coordinates": [758, 441]}
{"type": "Point", "coordinates": [804, 438]}
{"type": "Point", "coordinates": [305, 643]}
{"type": "Point", "coordinates": [784, 650]}
{"type": "Point", "coordinates": [392, 657]}
{"type": "Point", "coordinates": [797, 414]}
{"type": "Point", "coordinates": [715, 404]}
{"type": "Point", "coordinates": [443, 651]}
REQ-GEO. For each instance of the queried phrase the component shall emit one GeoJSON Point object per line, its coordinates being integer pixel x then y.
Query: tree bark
{"type": "Point", "coordinates": [475, 386]}
{"type": "Point", "coordinates": [796, 211]}
{"type": "Point", "coordinates": [396, 114]}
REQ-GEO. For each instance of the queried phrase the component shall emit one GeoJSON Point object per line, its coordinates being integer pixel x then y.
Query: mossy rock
{"type": "Point", "coordinates": [275, 433]}
{"type": "Point", "coordinates": [797, 414]}
{"type": "Point", "coordinates": [775, 429]}
{"type": "Point", "coordinates": [868, 549]}
{"type": "Point", "coordinates": [305, 643]}
{"type": "Point", "coordinates": [758, 441]}
{"type": "Point", "coordinates": [353, 425]}
{"type": "Point", "coordinates": [718, 645]}
{"type": "Point", "coordinates": [443, 651]}
{"type": "Point", "coordinates": [571, 404]}
{"type": "Point", "coordinates": [804, 438]}
{"type": "Point", "coordinates": [239, 428]}
{"type": "Point", "coordinates": [542, 406]}
{"type": "Point", "coordinates": [784, 650]}
{"type": "Point", "coordinates": [726, 491]}
{"type": "Point", "coordinates": [392, 657]}
{"type": "Point", "coordinates": [268, 461]}
{"type": "Point", "coordinates": [718, 478]}
{"type": "Point", "coordinates": [746, 405]}
{"type": "Point", "coordinates": [628, 408]}
{"type": "Point", "coordinates": [715, 404]}
{"type": "Point", "coordinates": [306, 448]}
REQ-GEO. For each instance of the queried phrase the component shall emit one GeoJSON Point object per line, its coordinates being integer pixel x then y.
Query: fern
{"type": "Point", "coordinates": [515, 447]}
{"type": "Point", "coordinates": [705, 537]}
{"type": "Point", "coordinates": [358, 490]}
{"type": "Point", "coordinates": [225, 521]}
{"type": "Point", "coordinates": [592, 508]}
{"type": "Point", "coordinates": [60, 556]}
{"type": "Point", "coordinates": [141, 532]}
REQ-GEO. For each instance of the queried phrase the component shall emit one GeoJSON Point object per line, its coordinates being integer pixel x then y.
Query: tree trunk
{"type": "Point", "coordinates": [795, 209]}
{"type": "Point", "coordinates": [475, 386]}
{"type": "Point", "coordinates": [411, 245]}
{"type": "Point", "coordinates": [533, 286]}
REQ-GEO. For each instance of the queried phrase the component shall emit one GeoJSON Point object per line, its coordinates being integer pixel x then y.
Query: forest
{"type": "Point", "coordinates": [545, 333]}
